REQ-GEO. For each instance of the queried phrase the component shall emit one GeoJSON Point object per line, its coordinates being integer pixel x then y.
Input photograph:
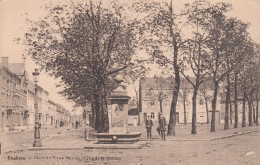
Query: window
{"type": "Point", "coordinates": [152, 103]}
{"type": "Point", "coordinates": [152, 115]}
{"type": "Point", "coordinates": [201, 101]}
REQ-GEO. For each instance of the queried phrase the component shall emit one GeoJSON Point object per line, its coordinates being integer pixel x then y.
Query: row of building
{"type": "Point", "coordinates": [18, 98]}
{"type": "Point", "coordinates": [152, 90]}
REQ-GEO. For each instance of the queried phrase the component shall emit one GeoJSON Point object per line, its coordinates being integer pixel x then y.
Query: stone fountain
{"type": "Point", "coordinates": [118, 115]}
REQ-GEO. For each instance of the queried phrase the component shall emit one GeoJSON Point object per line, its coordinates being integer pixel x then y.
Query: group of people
{"type": "Point", "coordinates": [76, 124]}
{"type": "Point", "coordinates": [162, 128]}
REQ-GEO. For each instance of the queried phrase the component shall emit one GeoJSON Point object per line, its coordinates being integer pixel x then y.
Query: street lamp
{"type": "Point", "coordinates": [37, 141]}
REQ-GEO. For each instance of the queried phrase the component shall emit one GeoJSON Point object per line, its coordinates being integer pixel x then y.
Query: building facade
{"type": "Point", "coordinates": [17, 101]}
{"type": "Point", "coordinates": [13, 95]}
{"type": "Point", "coordinates": [156, 96]}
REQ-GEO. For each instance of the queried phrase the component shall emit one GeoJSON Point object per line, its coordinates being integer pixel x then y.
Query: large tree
{"type": "Point", "coordinates": [216, 59]}
{"type": "Point", "coordinates": [244, 77]}
{"type": "Point", "coordinates": [162, 31]}
{"type": "Point", "coordinates": [257, 53]}
{"type": "Point", "coordinates": [84, 44]}
{"type": "Point", "coordinates": [235, 37]}
{"type": "Point", "coordinates": [196, 52]}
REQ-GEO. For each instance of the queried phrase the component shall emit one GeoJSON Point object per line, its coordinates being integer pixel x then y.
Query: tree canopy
{"type": "Point", "coordinates": [85, 44]}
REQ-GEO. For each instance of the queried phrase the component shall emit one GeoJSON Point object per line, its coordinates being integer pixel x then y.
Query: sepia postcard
{"type": "Point", "coordinates": [174, 82]}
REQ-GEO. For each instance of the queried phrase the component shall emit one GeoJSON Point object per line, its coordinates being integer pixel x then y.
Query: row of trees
{"type": "Point", "coordinates": [202, 44]}
{"type": "Point", "coordinates": [86, 45]}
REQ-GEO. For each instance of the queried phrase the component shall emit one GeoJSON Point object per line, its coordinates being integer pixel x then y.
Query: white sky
{"type": "Point", "coordinates": [12, 25]}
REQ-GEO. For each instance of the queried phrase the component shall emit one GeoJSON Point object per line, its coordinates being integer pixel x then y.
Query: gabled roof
{"type": "Point", "coordinates": [165, 83]}
{"type": "Point", "coordinates": [17, 68]}
{"type": "Point", "coordinates": [153, 83]}
{"type": "Point", "coordinates": [31, 86]}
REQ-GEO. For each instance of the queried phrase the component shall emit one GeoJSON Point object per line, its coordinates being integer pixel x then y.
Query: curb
{"type": "Point", "coordinates": [211, 139]}
{"type": "Point", "coordinates": [117, 146]}
{"type": "Point", "coordinates": [187, 139]}
{"type": "Point", "coordinates": [233, 135]}
{"type": "Point", "coordinates": [48, 148]}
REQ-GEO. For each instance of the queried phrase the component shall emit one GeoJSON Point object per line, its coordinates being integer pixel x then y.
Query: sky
{"type": "Point", "coordinates": [12, 25]}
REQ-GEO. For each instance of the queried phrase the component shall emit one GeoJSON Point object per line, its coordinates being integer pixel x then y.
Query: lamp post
{"type": "Point", "coordinates": [37, 141]}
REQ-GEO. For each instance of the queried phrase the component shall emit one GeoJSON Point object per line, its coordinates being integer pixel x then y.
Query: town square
{"type": "Point", "coordinates": [129, 82]}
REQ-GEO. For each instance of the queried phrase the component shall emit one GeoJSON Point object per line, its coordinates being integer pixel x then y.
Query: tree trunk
{"type": "Point", "coordinates": [214, 101]}
{"type": "Point", "coordinates": [140, 102]}
{"type": "Point", "coordinates": [256, 120]}
{"type": "Point", "coordinates": [226, 126]}
{"type": "Point", "coordinates": [161, 110]}
{"type": "Point", "coordinates": [104, 112]}
{"type": "Point", "coordinates": [184, 108]}
{"type": "Point", "coordinates": [244, 110]}
{"type": "Point", "coordinates": [137, 104]}
{"type": "Point", "coordinates": [250, 112]}
{"type": "Point", "coordinates": [96, 110]}
{"type": "Point", "coordinates": [172, 121]}
{"type": "Point", "coordinates": [250, 104]}
{"type": "Point", "coordinates": [93, 116]}
{"type": "Point", "coordinates": [235, 103]}
{"type": "Point", "coordinates": [231, 112]}
{"type": "Point", "coordinates": [194, 110]}
{"type": "Point", "coordinates": [253, 107]}
{"type": "Point", "coordinates": [207, 109]}
{"type": "Point", "coordinates": [97, 113]}
{"type": "Point", "coordinates": [206, 102]}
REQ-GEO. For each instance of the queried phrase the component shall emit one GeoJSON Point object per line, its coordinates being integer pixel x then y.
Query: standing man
{"type": "Point", "coordinates": [163, 126]}
{"type": "Point", "coordinates": [148, 125]}
{"type": "Point", "coordinates": [77, 124]}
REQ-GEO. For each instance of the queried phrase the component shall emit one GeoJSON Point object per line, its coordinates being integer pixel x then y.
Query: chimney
{"type": "Point", "coordinates": [5, 61]}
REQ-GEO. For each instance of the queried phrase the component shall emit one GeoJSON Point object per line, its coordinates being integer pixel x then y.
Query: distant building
{"type": "Point", "coordinates": [132, 113]}
{"type": "Point", "coordinates": [45, 118]}
{"type": "Point", "coordinates": [155, 89]}
{"type": "Point", "coordinates": [52, 113]}
{"type": "Point", "coordinates": [17, 101]}
{"type": "Point", "coordinates": [30, 104]}
{"type": "Point", "coordinates": [13, 91]}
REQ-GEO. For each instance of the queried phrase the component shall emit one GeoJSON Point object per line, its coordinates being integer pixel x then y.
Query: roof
{"type": "Point", "coordinates": [156, 83]}
{"type": "Point", "coordinates": [17, 68]}
{"type": "Point", "coordinates": [31, 86]}
{"type": "Point", "coordinates": [165, 83]}
{"type": "Point", "coordinates": [168, 83]}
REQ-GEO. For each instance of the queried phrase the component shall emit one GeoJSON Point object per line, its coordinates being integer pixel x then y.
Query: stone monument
{"type": "Point", "coordinates": [118, 114]}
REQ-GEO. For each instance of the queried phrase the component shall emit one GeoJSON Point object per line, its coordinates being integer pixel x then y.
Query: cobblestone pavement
{"type": "Point", "coordinates": [243, 149]}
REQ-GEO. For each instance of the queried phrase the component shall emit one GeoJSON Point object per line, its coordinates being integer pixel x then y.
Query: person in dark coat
{"type": "Point", "coordinates": [148, 125]}
{"type": "Point", "coordinates": [163, 126]}
{"type": "Point", "coordinates": [77, 124]}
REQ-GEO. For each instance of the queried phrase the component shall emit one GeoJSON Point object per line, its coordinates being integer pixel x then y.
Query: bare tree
{"type": "Point", "coordinates": [204, 88]}
{"type": "Point", "coordinates": [235, 35]}
{"type": "Point", "coordinates": [184, 99]}
{"type": "Point", "coordinates": [162, 33]}
{"type": "Point", "coordinates": [196, 52]}
{"type": "Point", "coordinates": [216, 60]}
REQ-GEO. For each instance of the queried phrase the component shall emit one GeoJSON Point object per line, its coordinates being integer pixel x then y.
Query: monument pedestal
{"type": "Point", "coordinates": [130, 137]}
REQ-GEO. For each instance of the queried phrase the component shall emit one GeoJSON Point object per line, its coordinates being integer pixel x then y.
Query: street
{"type": "Point", "coordinates": [242, 149]}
